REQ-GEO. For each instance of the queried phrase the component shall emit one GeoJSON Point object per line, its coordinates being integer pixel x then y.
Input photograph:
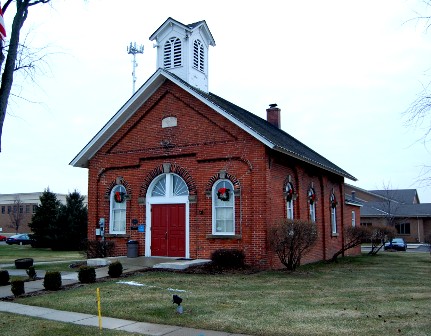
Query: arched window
{"type": "Point", "coordinates": [169, 185]}
{"type": "Point", "coordinates": [117, 223]}
{"type": "Point", "coordinates": [312, 203]}
{"type": "Point", "coordinates": [172, 53]}
{"type": "Point", "coordinates": [198, 55]}
{"type": "Point", "coordinates": [223, 208]}
{"type": "Point", "coordinates": [289, 200]}
{"type": "Point", "coordinates": [333, 202]}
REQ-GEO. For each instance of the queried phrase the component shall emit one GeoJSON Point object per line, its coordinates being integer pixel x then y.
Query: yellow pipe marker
{"type": "Point", "coordinates": [98, 309]}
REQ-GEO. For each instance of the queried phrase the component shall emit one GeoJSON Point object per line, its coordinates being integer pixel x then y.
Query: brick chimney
{"type": "Point", "coordinates": [273, 115]}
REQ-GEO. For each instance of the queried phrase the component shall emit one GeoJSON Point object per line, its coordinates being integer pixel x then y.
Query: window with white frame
{"type": "Point", "coordinates": [172, 53]}
{"type": "Point", "coordinates": [353, 218]}
{"type": "Point", "coordinates": [289, 200]}
{"type": "Point", "coordinates": [117, 223]}
{"type": "Point", "coordinates": [312, 204]}
{"type": "Point", "coordinates": [223, 208]}
{"type": "Point", "coordinates": [333, 202]}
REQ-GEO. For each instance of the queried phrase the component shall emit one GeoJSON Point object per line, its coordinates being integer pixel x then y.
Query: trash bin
{"type": "Point", "coordinates": [132, 249]}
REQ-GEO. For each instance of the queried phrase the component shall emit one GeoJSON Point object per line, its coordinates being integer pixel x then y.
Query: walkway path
{"type": "Point", "coordinates": [129, 265]}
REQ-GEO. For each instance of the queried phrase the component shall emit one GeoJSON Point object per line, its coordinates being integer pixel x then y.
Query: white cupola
{"type": "Point", "coordinates": [183, 50]}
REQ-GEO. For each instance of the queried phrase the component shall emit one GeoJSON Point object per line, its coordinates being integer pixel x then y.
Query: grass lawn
{"type": "Point", "coordinates": [384, 295]}
{"type": "Point", "coordinates": [8, 253]}
{"type": "Point", "coordinates": [19, 325]}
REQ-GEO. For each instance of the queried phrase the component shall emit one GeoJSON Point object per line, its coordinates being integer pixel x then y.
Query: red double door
{"type": "Point", "coordinates": [168, 230]}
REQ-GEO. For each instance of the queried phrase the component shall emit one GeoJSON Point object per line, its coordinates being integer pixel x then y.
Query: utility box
{"type": "Point", "coordinates": [132, 249]}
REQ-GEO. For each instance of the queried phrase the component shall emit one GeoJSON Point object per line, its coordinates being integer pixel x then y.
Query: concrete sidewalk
{"type": "Point", "coordinates": [129, 265]}
{"type": "Point", "coordinates": [107, 322]}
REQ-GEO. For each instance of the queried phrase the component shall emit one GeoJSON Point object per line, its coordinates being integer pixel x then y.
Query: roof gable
{"type": "Point", "coordinates": [259, 128]}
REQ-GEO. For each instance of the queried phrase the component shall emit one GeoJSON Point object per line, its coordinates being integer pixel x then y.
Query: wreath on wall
{"type": "Point", "coordinates": [311, 196]}
{"type": "Point", "coordinates": [223, 194]}
{"type": "Point", "coordinates": [119, 196]}
{"type": "Point", "coordinates": [289, 194]}
{"type": "Point", "coordinates": [333, 201]}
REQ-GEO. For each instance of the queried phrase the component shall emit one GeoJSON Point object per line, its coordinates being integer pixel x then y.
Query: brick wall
{"type": "Point", "coordinates": [202, 144]}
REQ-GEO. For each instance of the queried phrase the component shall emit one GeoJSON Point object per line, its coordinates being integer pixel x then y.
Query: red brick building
{"type": "Point", "coordinates": [185, 172]}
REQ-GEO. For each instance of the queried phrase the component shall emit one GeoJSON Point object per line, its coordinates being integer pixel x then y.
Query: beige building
{"type": "Point", "coordinates": [27, 203]}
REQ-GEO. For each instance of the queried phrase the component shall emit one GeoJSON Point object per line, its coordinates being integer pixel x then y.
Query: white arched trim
{"type": "Point", "coordinates": [174, 193]}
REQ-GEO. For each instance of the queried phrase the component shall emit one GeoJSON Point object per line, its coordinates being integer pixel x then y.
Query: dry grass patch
{"type": "Point", "coordinates": [383, 295]}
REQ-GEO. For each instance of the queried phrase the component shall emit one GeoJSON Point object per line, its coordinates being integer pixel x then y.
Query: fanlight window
{"type": "Point", "coordinates": [172, 53]}
{"type": "Point", "coordinates": [198, 55]}
{"type": "Point", "coordinates": [169, 185]}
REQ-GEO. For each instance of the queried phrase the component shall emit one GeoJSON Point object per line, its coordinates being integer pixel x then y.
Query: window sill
{"type": "Point", "coordinates": [334, 234]}
{"type": "Point", "coordinates": [119, 235]}
{"type": "Point", "coordinates": [216, 236]}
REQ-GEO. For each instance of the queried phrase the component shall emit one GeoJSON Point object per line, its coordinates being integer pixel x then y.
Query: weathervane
{"type": "Point", "coordinates": [133, 50]}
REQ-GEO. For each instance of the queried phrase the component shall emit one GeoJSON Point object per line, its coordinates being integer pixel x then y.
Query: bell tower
{"type": "Point", "coordinates": [183, 50]}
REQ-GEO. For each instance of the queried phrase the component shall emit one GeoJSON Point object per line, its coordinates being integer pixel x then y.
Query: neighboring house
{"type": "Point", "coordinates": [399, 208]}
{"type": "Point", "coordinates": [23, 203]}
{"type": "Point", "coordinates": [185, 172]}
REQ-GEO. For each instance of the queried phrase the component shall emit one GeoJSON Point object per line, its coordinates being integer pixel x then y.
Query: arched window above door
{"type": "Point", "coordinates": [169, 185]}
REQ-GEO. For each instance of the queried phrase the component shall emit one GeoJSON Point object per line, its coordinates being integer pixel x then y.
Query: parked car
{"type": "Point", "coordinates": [3, 238]}
{"type": "Point", "coordinates": [20, 239]}
{"type": "Point", "coordinates": [396, 244]}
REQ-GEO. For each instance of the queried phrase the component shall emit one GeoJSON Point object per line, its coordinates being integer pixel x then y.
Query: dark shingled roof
{"type": "Point", "coordinates": [283, 141]}
{"type": "Point", "coordinates": [380, 209]}
{"type": "Point", "coordinates": [406, 196]}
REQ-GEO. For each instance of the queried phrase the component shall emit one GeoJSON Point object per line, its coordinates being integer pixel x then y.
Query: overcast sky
{"type": "Point", "coordinates": [343, 73]}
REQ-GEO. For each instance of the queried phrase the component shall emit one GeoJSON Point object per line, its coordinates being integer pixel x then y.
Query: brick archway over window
{"type": "Point", "coordinates": [118, 181]}
{"type": "Point", "coordinates": [213, 179]}
{"type": "Point", "coordinates": [168, 168]}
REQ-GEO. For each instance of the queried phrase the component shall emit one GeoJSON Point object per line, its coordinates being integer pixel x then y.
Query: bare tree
{"type": "Point", "coordinates": [17, 214]}
{"type": "Point", "coordinates": [354, 236]}
{"type": "Point", "coordinates": [290, 240]}
{"type": "Point", "coordinates": [9, 55]}
{"type": "Point", "coordinates": [380, 234]}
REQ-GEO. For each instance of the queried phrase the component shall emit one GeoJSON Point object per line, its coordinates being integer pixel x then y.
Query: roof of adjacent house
{"type": "Point", "coordinates": [383, 209]}
{"type": "Point", "coordinates": [407, 196]}
{"type": "Point", "coordinates": [268, 134]}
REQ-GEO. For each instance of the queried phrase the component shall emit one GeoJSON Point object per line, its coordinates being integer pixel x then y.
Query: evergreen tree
{"type": "Point", "coordinates": [71, 229]}
{"type": "Point", "coordinates": [45, 219]}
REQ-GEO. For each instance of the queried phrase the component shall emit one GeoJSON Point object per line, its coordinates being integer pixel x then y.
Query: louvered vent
{"type": "Point", "coordinates": [198, 55]}
{"type": "Point", "coordinates": [172, 53]}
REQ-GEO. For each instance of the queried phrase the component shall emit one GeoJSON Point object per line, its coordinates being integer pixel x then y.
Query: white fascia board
{"type": "Point", "coordinates": [118, 120]}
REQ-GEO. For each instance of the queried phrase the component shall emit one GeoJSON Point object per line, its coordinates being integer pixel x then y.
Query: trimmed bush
{"type": "Point", "coordinates": [87, 274]}
{"type": "Point", "coordinates": [31, 272]}
{"type": "Point", "coordinates": [225, 258]}
{"type": "Point", "coordinates": [4, 278]}
{"type": "Point", "coordinates": [17, 287]}
{"type": "Point", "coordinates": [52, 280]}
{"type": "Point", "coordinates": [115, 269]}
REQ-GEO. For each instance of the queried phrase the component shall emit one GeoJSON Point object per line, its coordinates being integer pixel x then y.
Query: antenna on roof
{"type": "Point", "coordinates": [133, 50]}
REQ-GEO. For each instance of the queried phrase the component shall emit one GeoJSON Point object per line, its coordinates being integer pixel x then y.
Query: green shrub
{"type": "Point", "coordinates": [17, 287]}
{"type": "Point", "coordinates": [115, 269]}
{"type": "Point", "coordinates": [4, 277]}
{"type": "Point", "coordinates": [52, 280]}
{"type": "Point", "coordinates": [87, 274]}
{"type": "Point", "coordinates": [225, 258]}
{"type": "Point", "coordinates": [31, 272]}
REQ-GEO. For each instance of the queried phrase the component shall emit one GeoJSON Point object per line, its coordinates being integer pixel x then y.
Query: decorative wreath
{"type": "Point", "coordinates": [311, 196]}
{"type": "Point", "coordinates": [333, 201]}
{"type": "Point", "coordinates": [223, 194]}
{"type": "Point", "coordinates": [119, 196]}
{"type": "Point", "coordinates": [289, 194]}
